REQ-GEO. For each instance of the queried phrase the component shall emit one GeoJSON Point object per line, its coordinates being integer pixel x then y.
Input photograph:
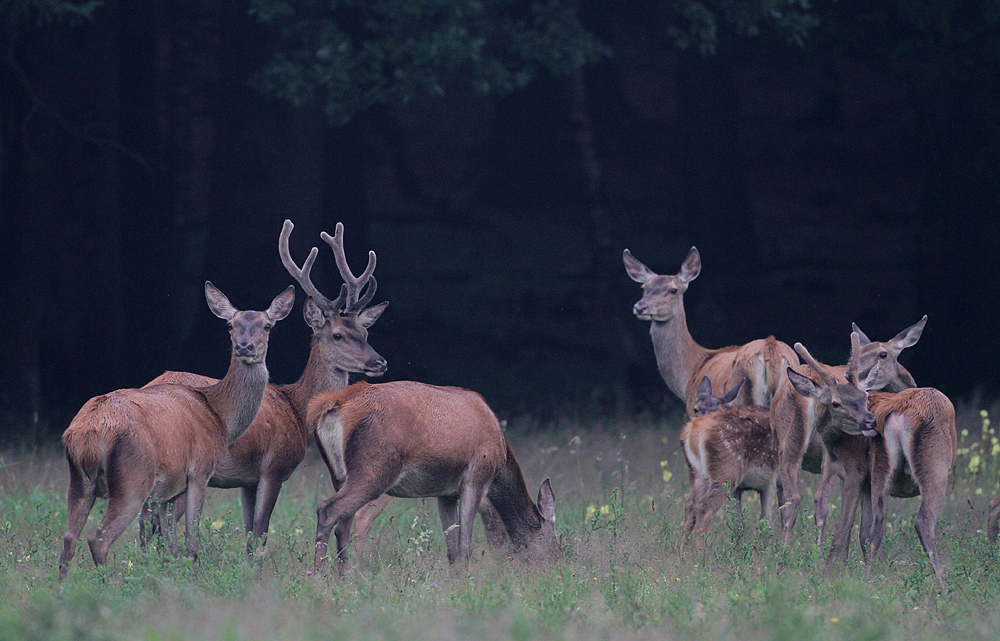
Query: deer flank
{"type": "Point", "coordinates": [413, 440]}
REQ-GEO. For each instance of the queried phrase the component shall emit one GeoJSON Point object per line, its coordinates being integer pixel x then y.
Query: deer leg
{"type": "Point", "coordinates": [168, 519]}
{"type": "Point", "coordinates": [363, 521]}
{"type": "Point", "coordinates": [124, 504]}
{"type": "Point", "coordinates": [710, 502]}
{"type": "Point", "coordinates": [469, 501]}
{"type": "Point", "coordinates": [699, 488]}
{"type": "Point", "coordinates": [338, 511]}
{"type": "Point", "coordinates": [850, 493]}
{"type": "Point", "coordinates": [687, 525]}
{"type": "Point", "coordinates": [865, 531]}
{"type": "Point", "coordinates": [824, 491]}
{"type": "Point", "coordinates": [789, 498]}
{"type": "Point", "coordinates": [767, 502]}
{"type": "Point", "coordinates": [993, 520]}
{"type": "Point", "coordinates": [81, 497]}
{"type": "Point", "coordinates": [881, 475]}
{"type": "Point", "coordinates": [195, 501]}
{"type": "Point", "coordinates": [267, 496]}
{"type": "Point", "coordinates": [933, 485]}
{"type": "Point", "coordinates": [248, 500]}
{"type": "Point", "coordinates": [450, 527]}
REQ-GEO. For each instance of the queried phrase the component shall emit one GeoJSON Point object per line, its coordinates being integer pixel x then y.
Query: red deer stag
{"type": "Point", "coordinates": [413, 440]}
{"type": "Point", "coordinates": [682, 361]}
{"type": "Point", "coordinates": [276, 442]}
{"type": "Point", "coordinates": [158, 443]}
{"type": "Point", "coordinates": [723, 446]}
{"type": "Point", "coordinates": [813, 401]}
{"type": "Point", "coordinates": [908, 452]}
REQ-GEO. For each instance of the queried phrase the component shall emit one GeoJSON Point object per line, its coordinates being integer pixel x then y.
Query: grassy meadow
{"type": "Point", "coordinates": [620, 486]}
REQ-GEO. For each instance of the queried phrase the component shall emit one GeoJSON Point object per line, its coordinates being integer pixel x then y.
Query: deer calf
{"type": "Point", "coordinates": [161, 442]}
{"type": "Point", "coordinates": [413, 440]}
{"type": "Point", "coordinates": [726, 446]}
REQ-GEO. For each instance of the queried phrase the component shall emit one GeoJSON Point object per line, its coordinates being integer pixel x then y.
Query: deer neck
{"type": "Point", "coordinates": [509, 497]}
{"type": "Point", "coordinates": [237, 397]}
{"type": "Point", "coordinates": [678, 356]}
{"type": "Point", "coordinates": [318, 377]}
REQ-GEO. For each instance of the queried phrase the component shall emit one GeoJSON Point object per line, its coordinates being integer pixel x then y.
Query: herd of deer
{"type": "Point", "coordinates": [155, 450]}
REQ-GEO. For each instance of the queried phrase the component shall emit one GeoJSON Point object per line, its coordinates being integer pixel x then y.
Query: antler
{"type": "Point", "coordinates": [301, 276]}
{"type": "Point", "coordinates": [828, 378]}
{"type": "Point", "coordinates": [349, 293]}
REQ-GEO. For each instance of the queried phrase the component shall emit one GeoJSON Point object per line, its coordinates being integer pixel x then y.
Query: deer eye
{"type": "Point", "coordinates": [835, 404]}
{"type": "Point", "coordinates": [672, 290]}
{"type": "Point", "coordinates": [883, 354]}
{"type": "Point", "coordinates": [268, 327]}
{"type": "Point", "coordinates": [338, 337]}
{"type": "Point", "coordinates": [229, 325]}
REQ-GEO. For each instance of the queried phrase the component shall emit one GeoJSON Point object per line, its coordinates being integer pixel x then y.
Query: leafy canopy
{"type": "Point", "coordinates": [347, 55]}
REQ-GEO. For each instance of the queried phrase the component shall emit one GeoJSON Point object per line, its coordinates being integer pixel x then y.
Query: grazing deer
{"type": "Point", "coordinates": [891, 377]}
{"type": "Point", "coordinates": [276, 442]}
{"type": "Point", "coordinates": [812, 402]}
{"type": "Point", "coordinates": [723, 446]}
{"type": "Point", "coordinates": [908, 451]}
{"type": "Point", "coordinates": [413, 440]}
{"type": "Point", "coordinates": [682, 361]}
{"type": "Point", "coordinates": [157, 443]}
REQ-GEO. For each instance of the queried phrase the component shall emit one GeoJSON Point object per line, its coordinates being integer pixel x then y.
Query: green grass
{"type": "Point", "coordinates": [620, 486]}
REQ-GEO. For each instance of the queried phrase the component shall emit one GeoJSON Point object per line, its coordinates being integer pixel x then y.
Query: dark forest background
{"type": "Point", "coordinates": [839, 166]}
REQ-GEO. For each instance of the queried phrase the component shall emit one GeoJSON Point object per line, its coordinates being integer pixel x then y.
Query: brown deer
{"type": "Point", "coordinates": [413, 440]}
{"type": "Point", "coordinates": [726, 446]}
{"type": "Point", "coordinates": [276, 442]}
{"type": "Point", "coordinates": [909, 451]}
{"type": "Point", "coordinates": [682, 361]}
{"type": "Point", "coordinates": [993, 520]}
{"type": "Point", "coordinates": [160, 442]}
{"type": "Point", "coordinates": [891, 377]}
{"type": "Point", "coordinates": [813, 401]}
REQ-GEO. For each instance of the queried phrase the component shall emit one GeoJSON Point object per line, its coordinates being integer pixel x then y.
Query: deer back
{"type": "Point", "coordinates": [423, 424]}
{"type": "Point", "coordinates": [918, 423]}
{"type": "Point", "coordinates": [278, 431]}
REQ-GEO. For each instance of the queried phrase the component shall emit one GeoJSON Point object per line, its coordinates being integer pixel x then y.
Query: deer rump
{"type": "Point", "coordinates": [408, 451]}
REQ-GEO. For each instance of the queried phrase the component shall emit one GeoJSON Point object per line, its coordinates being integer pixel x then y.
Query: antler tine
{"type": "Point", "coordinates": [354, 284]}
{"type": "Point", "coordinates": [301, 276]}
{"type": "Point", "coordinates": [828, 378]}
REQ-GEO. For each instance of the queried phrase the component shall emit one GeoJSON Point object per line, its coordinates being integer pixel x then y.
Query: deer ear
{"type": "Point", "coordinates": [704, 391]}
{"type": "Point", "coordinates": [691, 266]}
{"type": "Point", "coordinates": [546, 501]}
{"type": "Point", "coordinates": [870, 379]}
{"type": "Point", "coordinates": [909, 336]}
{"type": "Point", "coordinates": [861, 335]}
{"type": "Point", "coordinates": [636, 270]}
{"type": "Point", "coordinates": [804, 385]}
{"type": "Point", "coordinates": [730, 396]}
{"type": "Point", "coordinates": [313, 314]}
{"type": "Point", "coordinates": [368, 316]}
{"type": "Point", "coordinates": [282, 304]}
{"type": "Point", "coordinates": [218, 303]}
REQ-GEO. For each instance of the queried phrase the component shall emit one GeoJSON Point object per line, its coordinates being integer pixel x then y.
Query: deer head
{"type": "Point", "coordinates": [705, 403]}
{"type": "Point", "coordinates": [662, 296]}
{"type": "Point", "coordinates": [340, 327]}
{"type": "Point", "coordinates": [885, 354]}
{"type": "Point", "coordinates": [847, 403]}
{"type": "Point", "coordinates": [249, 331]}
